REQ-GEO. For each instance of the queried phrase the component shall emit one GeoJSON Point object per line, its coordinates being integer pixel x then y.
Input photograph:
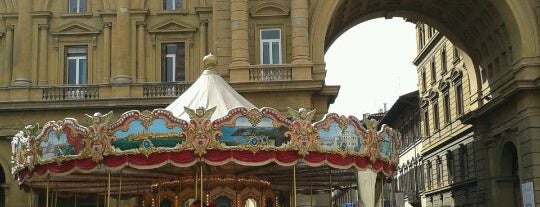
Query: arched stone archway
{"type": "Point", "coordinates": [508, 184]}
{"type": "Point", "coordinates": [489, 31]}
{"type": "Point", "coordinates": [498, 34]}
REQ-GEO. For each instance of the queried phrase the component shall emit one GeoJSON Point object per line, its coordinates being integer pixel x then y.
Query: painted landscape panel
{"type": "Point", "coordinates": [386, 146]}
{"type": "Point", "coordinates": [244, 132]}
{"type": "Point", "coordinates": [334, 138]}
{"type": "Point", "coordinates": [157, 133]}
{"type": "Point", "coordinates": [56, 145]}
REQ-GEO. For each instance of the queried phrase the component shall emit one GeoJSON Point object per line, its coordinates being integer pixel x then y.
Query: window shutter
{"type": "Point", "coordinates": [163, 63]}
{"type": "Point", "coordinates": [180, 62]}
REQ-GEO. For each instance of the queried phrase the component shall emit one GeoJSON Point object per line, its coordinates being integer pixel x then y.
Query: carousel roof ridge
{"type": "Point", "coordinates": [208, 91]}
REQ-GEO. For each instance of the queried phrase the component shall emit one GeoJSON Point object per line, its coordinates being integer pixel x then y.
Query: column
{"type": "Point", "coordinates": [204, 37]}
{"type": "Point", "coordinates": [43, 55]}
{"type": "Point", "coordinates": [106, 69]}
{"type": "Point", "coordinates": [122, 46]}
{"type": "Point", "coordinates": [23, 50]}
{"type": "Point", "coordinates": [9, 53]}
{"type": "Point", "coordinates": [239, 32]}
{"type": "Point", "coordinates": [366, 188]}
{"type": "Point", "coordinates": [300, 32]}
{"type": "Point", "coordinates": [141, 61]}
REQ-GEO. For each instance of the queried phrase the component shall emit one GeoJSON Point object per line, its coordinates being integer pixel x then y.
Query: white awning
{"type": "Point", "coordinates": [210, 90]}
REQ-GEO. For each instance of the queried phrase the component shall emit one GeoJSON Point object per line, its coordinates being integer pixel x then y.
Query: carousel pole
{"type": "Point", "coordinates": [109, 189]}
{"type": "Point", "coordinates": [31, 195]}
{"type": "Point", "coordinates": [294, 186]}
{"type": "Point", "coordinates": [55, 198]}
{"type": "Point", "coordinates": [311, 191]}
{"type": "Point", "coordinates": [202, 191]}
{"type": "Point", "coordinates": [196, 183]}
{"type": "Point", "coordinates": [119, 191]}
{"type": "Point", "coordinates": [330, 194]}
{"type": "Point", "coordinates": [47, 196]}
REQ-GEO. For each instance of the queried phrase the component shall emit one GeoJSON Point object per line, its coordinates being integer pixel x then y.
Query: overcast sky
{"type": "Point", "coordinates": [373, 64]}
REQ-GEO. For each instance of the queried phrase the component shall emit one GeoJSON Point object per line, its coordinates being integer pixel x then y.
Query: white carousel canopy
{"type": "Point", "coordinates": [210, 90]}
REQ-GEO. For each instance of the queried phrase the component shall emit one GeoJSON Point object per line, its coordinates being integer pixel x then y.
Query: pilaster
{"type": "Point", "coordinates": [43, 54]}
{"type": "Point", "coordinates": [23, 46]}
{"type": "Point", "coordinates": [121, 43]}
{"type": "Point", "coordinates": [239, 32]}
{"type": "Point", "coordinates": [9, 54]}
{"type": "Point", "coordinates": [141, 62]}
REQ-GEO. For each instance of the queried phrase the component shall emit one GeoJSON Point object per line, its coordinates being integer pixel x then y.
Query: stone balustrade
{"type": "Point", "coordinates": [173, 89]}
{"type": "Point", "coordinates": [82, 92]}
{"type": "Point", "coordinates": [265, 73]}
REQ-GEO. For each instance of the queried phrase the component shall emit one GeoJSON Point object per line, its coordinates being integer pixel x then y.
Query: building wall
{"type": "Point", "coordinates": [123, 40]}
{"type": "Point", "coordinates": [447, 151]}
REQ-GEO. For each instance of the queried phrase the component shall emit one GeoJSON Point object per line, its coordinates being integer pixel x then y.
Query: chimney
{"type": "Point", "coordinates": [384, 107]}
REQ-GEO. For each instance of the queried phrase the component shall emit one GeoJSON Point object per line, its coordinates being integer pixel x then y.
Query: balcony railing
{"type": "Point", "coordinates": [164, 89]}
{"type": "Point", "coordinates": [265, 73]}
{"type": "Point", "coordinates": [80, 92]}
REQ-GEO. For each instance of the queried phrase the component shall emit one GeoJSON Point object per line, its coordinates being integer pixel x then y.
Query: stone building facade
{"type": "Point", "coordinates": [408, 182]}
{"type": "Point", "coordinates": [131, 50]}
{"type": "Point", "coordinates": [447, 143]}
{"type": "Point", "coordinates": [74, 57]}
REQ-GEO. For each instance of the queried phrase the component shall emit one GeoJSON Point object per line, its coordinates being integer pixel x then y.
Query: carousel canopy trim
{"type": "Point", "coordinates": [248, 137]}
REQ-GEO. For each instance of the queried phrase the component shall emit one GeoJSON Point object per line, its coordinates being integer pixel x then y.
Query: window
{"type": "Point", "coordinates": [420, 36]}
{"type": "Point", "coordinates": [450, 166]}
{"type": "Point", "coordinates": [172, 5]}
{"type": "Point", "coordinates": [428, 175]}
{"type": "Point", "coordinates": [436, 116]}
{"type": "Point", "coordinates": [446, 103]}
{"type": "Point", "coordinates": [172, 62]}
{"type": "Point", "coordinates": [270, 46]}
{"type": "Point", "coordinates": [424, 80]}
{"type": "Point", "coordinates": [76, 65]}
{"type": "Point", "coordinates": [456, 54]}
{"type": "Point", "coordinates": [433, 72]}
{"type": "Point", "coordinates": [426, 122]}
{"type": "Point", "coordinates": [439, 171]}
{"type": "Point", "coordinates": [76, 6]}
{"type": "Point", "coordinates": [463, 161]}
{"type": "Point", "coordinates": [443, 60]}
{"type": "Point", "coordinates": [459, 99]}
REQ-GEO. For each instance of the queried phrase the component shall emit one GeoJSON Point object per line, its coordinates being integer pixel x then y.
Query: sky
{"type": "Point", "coordinates": [372, 62]}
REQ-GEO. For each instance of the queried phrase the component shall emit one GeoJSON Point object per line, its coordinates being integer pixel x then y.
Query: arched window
{"type": "Point", "coordinates": [428, 175]}
{"type": "Point", "coordinates": [439, 171]}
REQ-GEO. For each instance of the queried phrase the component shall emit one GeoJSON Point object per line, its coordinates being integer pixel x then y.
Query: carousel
{"type": "Point", "coordinates": [210, 147]}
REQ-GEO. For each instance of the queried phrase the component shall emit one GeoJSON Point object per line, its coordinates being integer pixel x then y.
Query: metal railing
{"type": "Point", "coordinates": [173, 89]}
{"type": "Point", "coordinates": [265, 73]}
{"type": "Point", "coordinates": [79, 92]}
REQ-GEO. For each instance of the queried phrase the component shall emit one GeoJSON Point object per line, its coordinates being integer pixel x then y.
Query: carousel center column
{"type": "Point", "coordinates": [366, 187]}
{"type": "Point", "coordinates": [239, 45]}
{"type": "Point", "coordinates": [122, 43]}
{"type": "Point", "coordinates": [300, 43]}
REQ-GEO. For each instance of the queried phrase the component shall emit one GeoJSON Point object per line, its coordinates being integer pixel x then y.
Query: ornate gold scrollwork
{"type": "Point", "coordinates": [302, 135]}
{"type": "Point", "coordinates": [200, 135]}
{"type": "Point", "coordinates": [98, 142]}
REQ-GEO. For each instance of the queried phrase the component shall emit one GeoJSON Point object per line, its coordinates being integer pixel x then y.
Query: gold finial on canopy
{"type": "Point", "coordinates": [210, 61]}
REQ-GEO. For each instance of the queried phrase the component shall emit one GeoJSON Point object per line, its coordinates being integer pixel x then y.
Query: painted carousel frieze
{"type": "Point", "coordinates": [249, 136]}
